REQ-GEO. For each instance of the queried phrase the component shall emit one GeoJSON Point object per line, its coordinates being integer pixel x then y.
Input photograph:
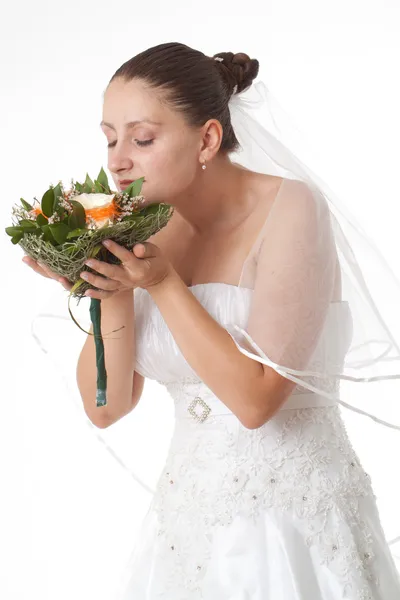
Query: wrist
{"type": "Point", "coordinates": [126, 294]}
{"type": "Point", "coordinates": [170, 279]}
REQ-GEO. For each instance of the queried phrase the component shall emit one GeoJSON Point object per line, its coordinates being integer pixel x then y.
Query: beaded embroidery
{"type": "Point", "coordinates": [219, 471]}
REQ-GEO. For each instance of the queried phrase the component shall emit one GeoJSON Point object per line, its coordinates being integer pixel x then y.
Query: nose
{"type": "Point", "coordinates": [120, 167]}
{"type": "Point", "coordinates": [120, 162]}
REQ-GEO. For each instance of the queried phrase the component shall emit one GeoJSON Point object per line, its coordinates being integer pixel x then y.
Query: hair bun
{"type": "Point", "coordinates": [238, 70]}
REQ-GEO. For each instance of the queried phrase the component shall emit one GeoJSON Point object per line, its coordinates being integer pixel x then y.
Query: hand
{"type": "Point", "coordinates": [140, 267]}
{"type": "Point", "coordinates": [46, 272]}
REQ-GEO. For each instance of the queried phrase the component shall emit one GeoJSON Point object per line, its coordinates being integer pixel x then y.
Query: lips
{"type": "Point", "coordinates": [124, 183]}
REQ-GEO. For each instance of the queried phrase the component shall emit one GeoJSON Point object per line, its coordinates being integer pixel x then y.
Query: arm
{"type": "Point", "coordinates": [119, 349]}
{"type": "Point", "coordinates": [209, 349]}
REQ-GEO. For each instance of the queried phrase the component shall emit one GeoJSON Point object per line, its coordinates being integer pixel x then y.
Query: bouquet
{"type": "Point", "coordinates": [67, 227]}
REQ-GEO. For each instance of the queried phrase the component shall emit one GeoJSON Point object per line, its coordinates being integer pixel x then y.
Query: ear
{"type": "Point", "coordinates": [211, 137]}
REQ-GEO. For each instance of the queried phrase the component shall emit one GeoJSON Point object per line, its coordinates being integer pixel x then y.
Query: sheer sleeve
{"type": "Point", "coordinates": [293, 286]}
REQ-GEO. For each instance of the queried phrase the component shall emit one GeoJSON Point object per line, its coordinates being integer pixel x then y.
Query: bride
{"type": "Point", "coordinates": [244, 306]}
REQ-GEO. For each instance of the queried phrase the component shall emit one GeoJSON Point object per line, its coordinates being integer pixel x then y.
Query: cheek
{"type": "Point", "coordinates": [169, 171]}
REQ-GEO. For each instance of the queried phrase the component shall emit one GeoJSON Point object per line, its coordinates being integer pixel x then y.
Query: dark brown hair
{"type": "Point", "coordinates": [195, 84]}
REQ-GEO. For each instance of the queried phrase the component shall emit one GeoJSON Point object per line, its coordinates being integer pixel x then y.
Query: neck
{"type": "Point", "coordinates": [217, 199]}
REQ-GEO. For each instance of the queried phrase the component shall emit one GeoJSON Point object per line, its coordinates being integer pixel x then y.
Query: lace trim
{"type": "Point", "coordinates": [300, 462]}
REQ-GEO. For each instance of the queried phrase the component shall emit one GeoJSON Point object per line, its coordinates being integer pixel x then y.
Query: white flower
{"type": "Point", "coordinates": [90, 201]}
{"type": "Point", "coordinates": [95, 201]}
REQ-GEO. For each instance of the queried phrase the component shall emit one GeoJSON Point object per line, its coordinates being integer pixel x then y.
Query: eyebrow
{"type": "Point", "coordinates": [131, 123]}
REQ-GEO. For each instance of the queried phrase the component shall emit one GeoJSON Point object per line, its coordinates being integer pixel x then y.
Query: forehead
{"type": "Point", "coordinates": [127, 103]}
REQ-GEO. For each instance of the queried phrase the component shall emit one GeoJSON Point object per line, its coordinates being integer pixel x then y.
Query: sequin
{"type": "Point", "coordinates": [225, 471]}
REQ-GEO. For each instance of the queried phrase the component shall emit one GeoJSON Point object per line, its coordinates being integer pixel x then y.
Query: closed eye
{"type": "Point", "coordinates": [139, 143]}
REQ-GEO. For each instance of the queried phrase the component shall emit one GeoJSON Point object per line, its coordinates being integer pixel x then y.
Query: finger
{"type": "Point", "coordinates": [115, 272]}
{"type": "Point", "coordinates": [142, 250]}
{"type": "Point", "coordinates": [146, 250]}
{"type": "Point", "coordinates": [65, 283]}
{"type": "Point", "coordinates": [47, 270]}
{"type": "Point", "coordinates": [34, 265]}
{"type": "Point", "coordinates": [120, 252]}
{"type": "Point", "coordinates": [103, 283]}
{"type": "Point", "coordinates": [41, 271]}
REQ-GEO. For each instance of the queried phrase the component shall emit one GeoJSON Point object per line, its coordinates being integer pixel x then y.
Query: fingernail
{"type": "Point", "coordinates": [106, 242]}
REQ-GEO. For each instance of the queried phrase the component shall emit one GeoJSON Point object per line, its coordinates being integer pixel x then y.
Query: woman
{"type": "Point", "coordinates": [262, 494]}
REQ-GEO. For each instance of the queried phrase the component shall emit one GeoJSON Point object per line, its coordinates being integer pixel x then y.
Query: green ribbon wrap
{"type": "Point", "coordinates": [95, 316]}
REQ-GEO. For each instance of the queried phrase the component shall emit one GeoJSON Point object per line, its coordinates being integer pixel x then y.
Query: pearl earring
{"type": "Point", "coordinates": [204, 166]}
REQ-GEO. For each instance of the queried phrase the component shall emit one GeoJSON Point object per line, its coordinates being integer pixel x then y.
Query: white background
{"type": "Point", "coordinates": [68, 511]}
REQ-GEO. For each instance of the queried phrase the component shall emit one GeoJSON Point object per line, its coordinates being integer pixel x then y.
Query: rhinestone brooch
{"type": "Point", "coordinates": [206, 409]}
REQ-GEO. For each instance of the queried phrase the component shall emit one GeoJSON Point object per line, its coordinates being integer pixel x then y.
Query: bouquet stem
{"type": "Point", "coordinates": [95, 315]}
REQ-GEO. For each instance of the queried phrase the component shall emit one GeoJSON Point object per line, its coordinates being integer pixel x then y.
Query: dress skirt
{"type": "Point", "coordinates": [283, 512]}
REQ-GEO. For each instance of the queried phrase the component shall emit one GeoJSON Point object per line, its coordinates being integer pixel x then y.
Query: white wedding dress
{"type": "Point", "coordinates": [283, 512]}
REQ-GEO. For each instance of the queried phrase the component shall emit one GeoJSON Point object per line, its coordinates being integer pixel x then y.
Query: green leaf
{"type": "Point", "coordinates": [103, 180]}
{"type": "Point", "coordinates": [134, 188]}
{"type": "Point", "coordinates": [152, 209]}
{"type": "Point", "coordinates": [41, 220]}
{"type": "Point", "coordinates": [79, 187]}
{"type": "Point", "coordinates": [70, 249]}
{"type": "Point", "coordinates": [76, 285]}
{"type": "Point", "coordinates": [77, 219]}
{"type": "Point", "coordinates": [31, 230]}
{"type": "Point", "coordinates": [59, 231]}
{"type": "Point", "coordinates": [48, 202]}
{"type": "Point", "coordinates": [17, 237]}
{"type": "Point", "coordinates": [27, 223]}
{"type": "Point", "coordinates": [26, 205]}
{"type": "Point", "coordinates": [95, 250]}
{"type": "Point", "coordinates": [133, 218]}
{"type": "Point", "coordinates": [48, 236]}
{"type": "Point", "coordinates": [76, 233]}
{"type": "Point", "coordinates": [14, 230]}
{"type": "Point", "coordinates": [57, 193]}
{"type": "Point", "coordinates": [88, 185]}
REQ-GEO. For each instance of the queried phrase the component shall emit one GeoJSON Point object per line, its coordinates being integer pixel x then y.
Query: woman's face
{"type": "Point", "coordinates": [148, 139]}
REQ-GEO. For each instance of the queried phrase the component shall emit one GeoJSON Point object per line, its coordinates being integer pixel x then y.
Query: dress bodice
{"type": "Point", "coordinates": [158, 356]}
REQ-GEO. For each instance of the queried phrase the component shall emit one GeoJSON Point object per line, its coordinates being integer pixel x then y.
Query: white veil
{"type": "Point", "coordinates": [368, 286]}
